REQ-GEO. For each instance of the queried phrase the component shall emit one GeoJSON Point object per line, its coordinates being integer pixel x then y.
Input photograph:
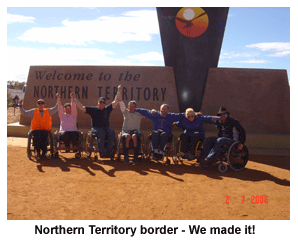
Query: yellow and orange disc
{"type": "Point", "coordinates": [192, 22]}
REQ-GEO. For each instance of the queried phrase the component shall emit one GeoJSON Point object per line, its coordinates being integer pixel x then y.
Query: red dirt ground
{"type": "Point", "coordinates": [66, 188]}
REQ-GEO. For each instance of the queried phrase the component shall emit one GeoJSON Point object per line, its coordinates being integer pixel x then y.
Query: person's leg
{"type": "Point", "coordinates": [184, 142]}
{"type": "Point", "coordinates": [218, 146]}
{"type": "Point", "coordinates": [209, 143]}
{"type": "Point", "coordinates": [125, 143]}
{"type": "Point", "coordinates": [74, 138]}
{"type": "Point", "coordinates": [65, 138]}
{"type": "Point", "coordinates": [155, 139]}
{"type": "Point", "coordinates": [36, 140]}
{"type": "Point", "coordinates": [136, 143]}
{"type": "Point", "coordinates": [101, 135]}
{"type": "Point", "coordinates": [110, 134]}
{"type": "Point", "coordinates": [165, 137]}
{"type": "Point", "coordinates": [44, 141]}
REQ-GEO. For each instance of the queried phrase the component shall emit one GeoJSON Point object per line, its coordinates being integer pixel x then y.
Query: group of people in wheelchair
{"type": "Point", "coordinates": [159, 141]}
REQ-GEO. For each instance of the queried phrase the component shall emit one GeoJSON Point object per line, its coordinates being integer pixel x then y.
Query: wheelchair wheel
{"type": "Point", "coordinates": [88, 144]}
{"type": "Point", "coordinates": [148, 149]}
{"type": "Point", "coordinates": [51, 145]}
{"type": "Point", "coordinates": [199, 148]}
{"type": "Point", "coordinates": [222, 167]}
{"type": "Point", "coordinates": [237, 159]}
{"type": "Point", "coordinates": [119, 145]}
{"type": "Point", "coordinates": [178, 152]}
{"type": "Point", "coordinates": [114, 149]}
{"type": "Point", "coordinates": [29, 144]}
{"type": "Point", "coordinates": [173, 151]}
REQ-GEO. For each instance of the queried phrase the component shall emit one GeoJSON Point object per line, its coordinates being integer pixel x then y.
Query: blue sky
{"type": "Point", "coordinates": [255, 37]}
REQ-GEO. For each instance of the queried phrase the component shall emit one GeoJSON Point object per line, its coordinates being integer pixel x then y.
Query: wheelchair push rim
{"type": "Point", "coordinates": [237, 159]}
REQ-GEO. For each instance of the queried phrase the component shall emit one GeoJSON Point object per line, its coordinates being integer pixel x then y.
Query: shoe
{"type": "Point", "coordinates": [102, 154]}
{"type": "Point", "coordinates": [43, 153]}
{"type": "Point", "coordinates": [155, 157]}
{"type": "Point", "coordinates": [205, 162]}
{"type": "Point", "coordinates": [126, 160]}
{"type": "Point", "coordinates": [108, 153]}
{"type": "Point", "coordinates": [185, 156]}
{"type": "Point", "coordinates": [135, 161]}
{"type": "Point", "coordinates": [159, 157]}
{"type": "Point", "coordinates": [190, 157]}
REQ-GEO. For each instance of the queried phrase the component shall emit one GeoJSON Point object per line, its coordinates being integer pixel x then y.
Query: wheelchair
{"type": "Point", "coordinates": [91, 146]}
{"type": "Point", "coordinates": [235, 159]}
{"type": "Point", "coordinates": [119, 150]}
{"type": "Point", "coordinates": [231, 156]}
{"type": "Point", "coordinates": [170, 150]}
{"type": "Point", "coordinates": [198, 150]}
{"type": "Point", "coordinates": [31, 150]}
{"type": "Point", "coordinates": [59, 145]}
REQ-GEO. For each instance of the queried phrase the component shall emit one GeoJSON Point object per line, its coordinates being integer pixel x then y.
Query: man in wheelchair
{"type": "Point", "coordinates": [131, 129]}
{"type": "Point", "coordinates": [194, 132]}
{"type": "Point", "coordinates": [41, 124]}
{"type": "Point", "coordinates": [226, 136]}
{"type": "Point", "coordinates": [100, 124]}
{"type": "Point", "coordinates": [162, 131]}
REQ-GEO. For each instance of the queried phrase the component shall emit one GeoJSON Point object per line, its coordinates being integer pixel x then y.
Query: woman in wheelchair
{"type": "Point", "coordinates": [226, 137]}
{"type": "Point", "coordinates": [193, 132]}
{"type": "Point", "coordinates": [68, 123]}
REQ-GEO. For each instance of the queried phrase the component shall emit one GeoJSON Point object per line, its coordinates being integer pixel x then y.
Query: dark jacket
{"type": "Point", "coordinates": [226, 129]}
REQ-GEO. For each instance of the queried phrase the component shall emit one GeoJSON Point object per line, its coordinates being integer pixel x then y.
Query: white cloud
{"type": "Point", "coordinates": [147, 56]}
{"type": "Point", "coordinates": [230, 55]}
{"type": "Point", "coordinates": [253, 61]}
{"type": "Point", "coordinates": [20, 59]}
{"type": "Point", "coordinates": [273, 46]}
{"type": "Point", "coordinates": [133, 26]}
{"type": "Point", "coordinates": [14, 18]}
{"type": "Point", "coordinates": [280, 54]}
{"type": "Point", "coordinates": [281, 49]}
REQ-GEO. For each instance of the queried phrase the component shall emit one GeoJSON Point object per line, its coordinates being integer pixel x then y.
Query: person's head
{"type": "Point", "coordinates": [67, 108]}
{"type": "Point", "coordinates": [101, 103]}
{"type": "Point", "coordinates": [223, 114]}
{"type": "Point", "coordinates": [40, 104]}
{"type": "Point", "coordinates": [164, 109]}
{"type": "Point", "coordinates": [190, 114]}
{"type": "Point", "coordinates": [132, 106]}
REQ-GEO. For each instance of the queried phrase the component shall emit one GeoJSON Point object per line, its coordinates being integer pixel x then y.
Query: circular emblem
{"type": "Point", "coordinates": [192, 22]}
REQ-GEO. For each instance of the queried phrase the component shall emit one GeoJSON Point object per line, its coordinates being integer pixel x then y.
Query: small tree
{"type": "Point", "coordinates": [9, 100]}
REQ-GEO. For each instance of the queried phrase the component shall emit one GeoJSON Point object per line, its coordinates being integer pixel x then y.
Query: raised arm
{"type": "Point", "coordinates": [118, 97]}
{"type": "Point", "coordinates": [54, 109]}
{"type": "Point", "coordinates": [78, 104]}
{"type": "Point", "coordinates": [60, 108]}
{"type": "Point", "coordinates": [73, 105]}
{"type": "Point", "coordinates": [24, 112]}
{"type": "Point", "coordinates": [122, 106]}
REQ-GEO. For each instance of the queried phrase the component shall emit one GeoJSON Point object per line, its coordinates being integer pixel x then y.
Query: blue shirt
{"type": "Point", "coordinates": [99, 118]}
{"type": "Point", "coordinates": [196, 125]}
{"type": "Point", "coordinates": [163, 123]}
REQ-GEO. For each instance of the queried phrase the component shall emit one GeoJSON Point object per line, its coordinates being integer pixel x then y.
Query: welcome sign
{"type": "Point", "coordinates": [148, 86]}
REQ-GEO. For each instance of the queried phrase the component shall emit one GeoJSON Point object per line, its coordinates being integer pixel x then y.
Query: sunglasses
{"type": "Point", "coordinates": [189, 116]}
{"type": "Point", "coordinates": [222, 114]}
{"type": "Point", "coordinates": [102, 102]}
{"type": "Point", "coordinates": [40, 103]}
